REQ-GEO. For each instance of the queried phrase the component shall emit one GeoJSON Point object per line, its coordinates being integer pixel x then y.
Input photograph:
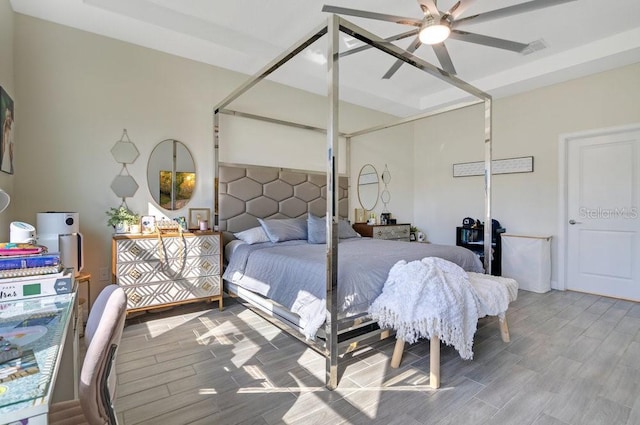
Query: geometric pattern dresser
{"type": "Point", "coordinates": [160, 271]}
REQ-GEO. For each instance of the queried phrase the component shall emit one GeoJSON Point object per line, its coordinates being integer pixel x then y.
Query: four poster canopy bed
{"type": "Point", "coordinates": [292, 255]}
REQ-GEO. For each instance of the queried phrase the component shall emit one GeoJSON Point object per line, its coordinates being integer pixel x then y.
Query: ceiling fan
{"type": "Point", "coordinates": [437, 26]}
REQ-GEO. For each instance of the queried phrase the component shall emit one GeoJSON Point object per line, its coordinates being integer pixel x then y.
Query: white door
{"type": "Point", "coordinates": [603, 252]}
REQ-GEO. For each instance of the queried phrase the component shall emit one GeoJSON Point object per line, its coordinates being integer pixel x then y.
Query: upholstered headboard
{"type": "Point", "coordinates": [246, 193]}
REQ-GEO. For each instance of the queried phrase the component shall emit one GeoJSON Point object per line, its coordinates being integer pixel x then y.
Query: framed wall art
{"type": "Point", "coordinates": [498, 166]}
{"type": "Point", "coordinates": [197, 216]}
{"type": "Point", "coordinates": [7, 122]}
{"type": "Point", "coordinates": [148, 224]}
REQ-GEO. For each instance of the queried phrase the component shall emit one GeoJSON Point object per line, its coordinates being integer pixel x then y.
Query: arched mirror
{"type": "Point", "coordinates": [171, 174]}
{"type": "Point", "coordinates": [368, 186]}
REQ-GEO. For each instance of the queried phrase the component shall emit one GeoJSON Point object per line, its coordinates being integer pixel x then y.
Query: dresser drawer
{"type": "Point", "coordinates": [392, 232]}
{"type": "Point", "coordinates": [171, 292]}
{"type": "Point", "coordinates": [154, 248]}
{"type": "Point", "coordinates": [137, 272]}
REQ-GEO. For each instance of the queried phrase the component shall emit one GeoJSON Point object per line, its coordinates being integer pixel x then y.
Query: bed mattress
{"type": "Point", "coordinates": [292, 273]}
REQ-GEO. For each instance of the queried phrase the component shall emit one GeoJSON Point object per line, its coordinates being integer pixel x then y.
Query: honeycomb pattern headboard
{"type": "Point", "coordinates": [248, 193]}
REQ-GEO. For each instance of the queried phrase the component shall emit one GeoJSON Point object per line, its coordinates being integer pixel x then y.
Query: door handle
{"type": "Point", "coordinates": [572, 221]}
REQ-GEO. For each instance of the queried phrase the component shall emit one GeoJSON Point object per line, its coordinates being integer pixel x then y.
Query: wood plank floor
{"type": "Point", "coordinates": [573, 359]}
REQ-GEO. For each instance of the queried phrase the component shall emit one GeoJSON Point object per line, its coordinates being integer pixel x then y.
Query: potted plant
{"type": "Point", "coordinates": [122, 218]}
{"type": "Point", "coordinates": [412, 233]}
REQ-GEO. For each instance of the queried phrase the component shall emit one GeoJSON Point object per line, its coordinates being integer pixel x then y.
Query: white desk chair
{"type": "Point", "coordinates": [97, 383]}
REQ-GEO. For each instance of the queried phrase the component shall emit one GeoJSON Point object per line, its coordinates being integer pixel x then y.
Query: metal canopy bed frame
{"type": "Point", "coordinates": [343, 341]}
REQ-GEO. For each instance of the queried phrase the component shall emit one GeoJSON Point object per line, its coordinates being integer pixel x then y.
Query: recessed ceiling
{"type": "Point", "coordinates": [581, 37]}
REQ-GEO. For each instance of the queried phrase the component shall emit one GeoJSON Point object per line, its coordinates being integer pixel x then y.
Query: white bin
{"type": "Point", "coordinates": [527, 259]}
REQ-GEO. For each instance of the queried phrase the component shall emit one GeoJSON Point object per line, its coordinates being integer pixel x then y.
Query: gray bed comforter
{"type": "Point", "coordinates": [292, 273]}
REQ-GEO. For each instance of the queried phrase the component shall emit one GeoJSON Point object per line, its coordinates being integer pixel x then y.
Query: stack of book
{"type": "Point", "coordinates": [12, 266]}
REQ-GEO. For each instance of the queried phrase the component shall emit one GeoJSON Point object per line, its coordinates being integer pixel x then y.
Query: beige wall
{"type": "Point", "coordinates": [529, 124]}
{"type": "Point", "coordinates": [7, 83]}
{"type": "Point", "coordinates": [77, 91]}
{"type": "Point", "coordinates": [388, 147]}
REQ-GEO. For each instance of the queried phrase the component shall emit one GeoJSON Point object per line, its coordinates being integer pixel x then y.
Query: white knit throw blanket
{"type": "Point", "coordinates": [429, 297]}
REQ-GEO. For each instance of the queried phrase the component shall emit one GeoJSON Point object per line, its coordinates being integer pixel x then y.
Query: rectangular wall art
{"type": "Point", "coordinates": [498, 166]}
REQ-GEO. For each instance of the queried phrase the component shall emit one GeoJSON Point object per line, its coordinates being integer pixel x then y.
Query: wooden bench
{"type": "Point", "coordinates": [434, 349]}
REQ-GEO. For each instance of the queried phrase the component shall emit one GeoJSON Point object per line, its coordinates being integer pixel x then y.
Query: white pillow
{"type": "Point", "coordinates": [253, 235]}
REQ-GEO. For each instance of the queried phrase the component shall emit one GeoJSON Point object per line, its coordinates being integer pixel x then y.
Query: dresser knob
{"type": "Point", "coordinates": [135, 298]}
{"type": "Point", "coordinates": [135, 274]}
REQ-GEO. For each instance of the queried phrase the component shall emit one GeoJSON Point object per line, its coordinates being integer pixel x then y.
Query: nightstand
{"type": "Point", "coordinates": [472, 238]}
{"type": "Point", "coordinates": [396, 232]}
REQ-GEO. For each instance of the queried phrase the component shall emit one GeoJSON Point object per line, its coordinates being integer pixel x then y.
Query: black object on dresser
{"type": "Point", "coordinates": [473, 238]}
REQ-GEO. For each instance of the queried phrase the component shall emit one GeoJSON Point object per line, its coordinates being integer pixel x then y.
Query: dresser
{"type": "Point", "coordinates": [160, 271]}
{"type": "Point", "coordinates": [396, 232]}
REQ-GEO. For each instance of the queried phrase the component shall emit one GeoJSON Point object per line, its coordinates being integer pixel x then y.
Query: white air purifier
{"type": "Point", "coordinates": [20, 232]}
{"type": "Point", "coordinates": [60, 232]}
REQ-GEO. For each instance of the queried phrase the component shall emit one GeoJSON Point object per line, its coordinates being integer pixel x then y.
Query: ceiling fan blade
{"type": "Point", "coordinates": [392, 38]}
{"type": "Point", "coordinates": [372, 15]}
{"type": "Point", "coordinates": [443, 57]}
{"type": "Point", "coordinates": [429, 6]}
{"type": "Point", "coordinates": [486, 40]}
{"type": "Point", "coordinates": [412, 48]}
{"type": "Point", "coordinates": [508, 11]}
{"type": "Point", "coordinates": [458, 8]}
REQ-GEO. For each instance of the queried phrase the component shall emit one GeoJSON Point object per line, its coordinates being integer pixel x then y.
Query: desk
{"type": "Point", "coordinates": [54, 345]}
{"type": "Point", "coordinates": [80, 279]}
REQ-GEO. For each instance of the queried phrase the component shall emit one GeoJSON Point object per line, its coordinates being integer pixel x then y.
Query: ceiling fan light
{"type": "Point", "coordinates": [434, 33]}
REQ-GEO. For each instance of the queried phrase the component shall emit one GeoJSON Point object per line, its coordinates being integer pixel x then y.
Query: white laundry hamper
{"type": "Point", "coordinates": [527, 259]}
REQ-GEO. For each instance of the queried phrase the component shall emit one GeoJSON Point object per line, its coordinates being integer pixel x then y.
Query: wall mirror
{"type": "Point", "coordinates": [368, 186]}
{"type": "Point", "coordinates": [385, 196]}
{"type": "Point", "coordinates": [386, 175]}
{"type": "Point", "coordinates": [171, 174]}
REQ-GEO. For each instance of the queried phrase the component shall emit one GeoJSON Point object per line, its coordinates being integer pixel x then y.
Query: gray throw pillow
{"type": "Point", "coordinates": [316, 229]}
{"type": "Point", "coordinates": [285, 229]}
{"type": "Point", "coordinates": [345, 231]}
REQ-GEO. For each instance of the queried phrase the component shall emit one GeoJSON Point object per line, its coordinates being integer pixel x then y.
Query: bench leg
{"type": "Point", "coordinates": [434, 359]}
{"type": "Point", "coordinates": [434, 362]}
{"type": "Point", "coordinates": [504, 329]}
{"type": "Point", "coordinates": [396, 358]}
